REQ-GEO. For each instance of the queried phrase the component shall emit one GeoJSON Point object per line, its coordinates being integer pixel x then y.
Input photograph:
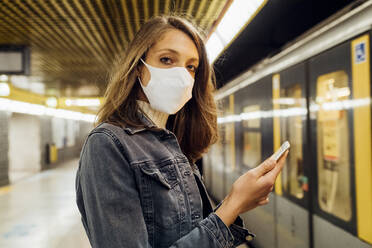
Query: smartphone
{"type": "Point", "coordinates": [280, 152]}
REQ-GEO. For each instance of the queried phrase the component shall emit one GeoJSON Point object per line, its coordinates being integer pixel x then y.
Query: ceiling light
{"type": "Point", "coordinates": [68, 102]}
{"type": "Point", "coordinates": [51, 102]}
{"type": "Point", "coordinates": [4, 89]}
{"type": "Point", "coordinates": [4, 78]}
{"type": "Point", "coordinates": [234, 20]}
{"type": "Point", "coordinates": [81, 102]}
{"type": "Point", "coordinates": [37, 109]}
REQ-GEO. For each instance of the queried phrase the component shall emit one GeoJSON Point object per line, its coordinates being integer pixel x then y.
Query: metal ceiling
{"type": "Point", "coordinates": [74, 42]}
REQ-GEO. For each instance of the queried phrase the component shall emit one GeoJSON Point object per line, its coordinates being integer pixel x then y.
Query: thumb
{"type": "Point", "coordinates": [265, 167]}
{"type": "Point", "coordinates": [274, 173]}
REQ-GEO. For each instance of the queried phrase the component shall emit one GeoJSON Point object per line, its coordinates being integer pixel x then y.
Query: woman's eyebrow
{"type": "Point", "coordinates": [176, 52]}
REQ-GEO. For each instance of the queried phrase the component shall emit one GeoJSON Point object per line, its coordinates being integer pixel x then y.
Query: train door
{"type": "Point", "coordinates": [290, 114]}
{"type": "Point", "coordinates": [334, 127]}
{"type": "Point", "coordinates": [253, 135]}
{"type": "Point", "coordinates": [229, 152]}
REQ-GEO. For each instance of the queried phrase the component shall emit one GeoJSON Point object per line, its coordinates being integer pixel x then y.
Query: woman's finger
{"type": "Point", "coordinates": [264, 197]}
{"type": "Point", "coordinates": [279, 166]}
{"type": "Point", "coordinates": [263, 202]}
{"type": "Point", "coordinates": [265, 167]}
{"type": "Point", "coordinates": [282, 158]}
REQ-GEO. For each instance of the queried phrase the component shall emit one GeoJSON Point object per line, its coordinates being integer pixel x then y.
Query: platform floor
{"type": "Point", "coordinates": [40, 211]}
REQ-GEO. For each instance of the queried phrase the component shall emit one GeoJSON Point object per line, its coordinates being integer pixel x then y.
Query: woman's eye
{"type": "Point", "coordinates": [166, 60]}
{"type": "Point", "coordinates": [192, 68]}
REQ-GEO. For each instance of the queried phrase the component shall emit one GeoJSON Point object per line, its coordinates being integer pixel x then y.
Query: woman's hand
{"type": "Point", "coordinates": [250, 190]}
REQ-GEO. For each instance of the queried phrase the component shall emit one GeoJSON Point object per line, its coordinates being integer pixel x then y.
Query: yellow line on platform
{"type": "Point", "coordinates": [5, 189]}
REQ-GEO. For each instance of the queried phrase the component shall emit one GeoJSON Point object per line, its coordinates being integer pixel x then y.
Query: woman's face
{"type": "Point", "coordinates": [174, 49]}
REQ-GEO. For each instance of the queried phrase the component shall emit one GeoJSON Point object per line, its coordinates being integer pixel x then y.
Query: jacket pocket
{"type": "Point", "coordinates": [160, 193]}
{"type": "Point", "coordinates": [155, 174]}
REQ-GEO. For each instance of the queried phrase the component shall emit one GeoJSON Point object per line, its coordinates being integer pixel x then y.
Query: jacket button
{"type": "Point", "coordinates": [196, 216]}
{"type": "Point", "coordinates": [249, 238]}
{"type": "Point", "coordinates": [187, 173]}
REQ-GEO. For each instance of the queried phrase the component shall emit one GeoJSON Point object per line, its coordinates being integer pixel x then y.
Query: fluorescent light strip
{"type": "Point", "coordinates": [263, 114]}
{"type": "Point", "coordinates": [83, 102]}
{"type": "Point", "coordinates": [238, 14]}
{"type": "Point", "coordinates": [296, 111]}
{"type": "Point", "coordinates": [36, 109]}
{"type": "Point", "coordinates": [4, 89]}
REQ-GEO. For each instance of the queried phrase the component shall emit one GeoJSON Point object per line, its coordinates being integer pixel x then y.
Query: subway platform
{"type": "Point", "coordinates": [40, 211]}
{"type": "Point", "coordinates": [297, 71]}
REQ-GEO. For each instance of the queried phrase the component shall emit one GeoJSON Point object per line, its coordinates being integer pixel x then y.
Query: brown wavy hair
{"type": "Point", "coordinates": [195, 125]}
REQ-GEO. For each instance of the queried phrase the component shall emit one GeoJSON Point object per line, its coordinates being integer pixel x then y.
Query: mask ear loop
{"type": "Point", "coordinates": [147, 65]}
{"type": "Point", "coordinates": [139, 79]}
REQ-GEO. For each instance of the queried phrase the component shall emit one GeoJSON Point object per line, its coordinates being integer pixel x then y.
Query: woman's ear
{"type": "Point", "coordinates": [138, 70]}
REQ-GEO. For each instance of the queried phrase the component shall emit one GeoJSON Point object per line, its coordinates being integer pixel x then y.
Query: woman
{"type": "Point", "coordinates": [137, 184]}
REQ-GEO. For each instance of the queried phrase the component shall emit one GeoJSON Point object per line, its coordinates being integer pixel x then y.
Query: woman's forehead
{"type": "Point", "coordinates": [178, 42]}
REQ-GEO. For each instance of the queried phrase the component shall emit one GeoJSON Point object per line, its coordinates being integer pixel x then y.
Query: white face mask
{"type": "Point", "coordinates": [168, 90]}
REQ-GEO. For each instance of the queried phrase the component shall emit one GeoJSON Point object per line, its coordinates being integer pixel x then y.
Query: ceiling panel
{"type": "Point", "coordinates": [74, 42]}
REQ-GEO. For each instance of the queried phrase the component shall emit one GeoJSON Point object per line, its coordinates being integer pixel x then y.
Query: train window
{"type": "Point", "coordinates": [228, 134]}
{"type": "Point", "coordinates": [252, 136]}
{"type": "Point", "coordinates": [333, 145]}
{"type": "Point", "coordinates": [252, 120]}
{"type": "Point", "coordinates": [294, 180]}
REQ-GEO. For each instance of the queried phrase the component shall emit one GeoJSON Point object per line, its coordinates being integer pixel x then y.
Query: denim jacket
{"type": "Point", "coordinates": [135, 188]}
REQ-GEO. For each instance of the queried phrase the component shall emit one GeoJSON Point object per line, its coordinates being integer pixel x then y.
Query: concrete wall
{"type": "Point", "coordinates": [24, 146]}
{"type": "Point", "coordinates": [68, 152]}
{"type": "Point", "coordinates": [24, 139]}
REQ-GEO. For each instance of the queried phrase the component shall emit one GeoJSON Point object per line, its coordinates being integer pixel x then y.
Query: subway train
{"type": "Point", "coordinates": [316, 94]}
